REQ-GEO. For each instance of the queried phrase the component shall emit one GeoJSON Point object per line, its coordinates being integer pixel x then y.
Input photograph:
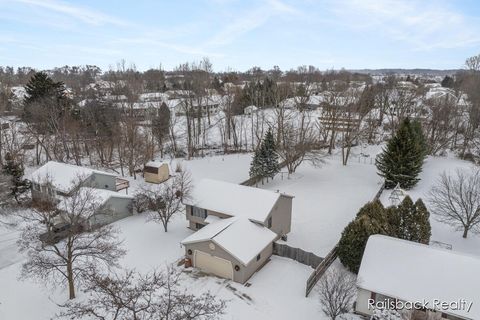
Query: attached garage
{"type": "Point", "coordinates": [213, 265]}
{"type": "Point", "coordinates": [232, 248]}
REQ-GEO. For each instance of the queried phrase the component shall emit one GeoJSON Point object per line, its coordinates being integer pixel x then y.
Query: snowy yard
{"type": "Point", "coordinates": [326, 199]}
{"type": "Point", "coordinates": [433, 167]}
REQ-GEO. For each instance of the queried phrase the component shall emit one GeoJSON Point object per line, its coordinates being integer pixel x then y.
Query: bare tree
{"type": "Point", "coordinates": [166, 200]}
{"type": "Point", "coordinates": [130, 295]}
{"type": "Point", "coordinates": [5, 187]}
{"type": "Point", "coordinates": [82, 248]}
{"type": "Point", "coordinates": [337, 291]}
{"type": "Point", "coordinates": [456, 200]}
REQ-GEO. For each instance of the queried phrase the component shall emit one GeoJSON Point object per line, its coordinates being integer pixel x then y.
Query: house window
{"type": "Point", "coordinates": [199, 225]}
{"type": "Point", "coordinates": [199, 212]}
{"type": "Point", "coordinates": [258, 257]}
{"type": "Point", "coordinates": [270, 222]}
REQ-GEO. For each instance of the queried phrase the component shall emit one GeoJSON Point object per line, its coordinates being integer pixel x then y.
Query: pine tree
{"type": "Point", "coordinates": [265, 159]}
{"type": "Point", "coordinates": [270, 154]}
{"type": "Point", "coordinates": [422, 219]}
{"type": "Point", "coordinates": [401, 161]}
{"type": "Point", "coordinates": [42, 87]}
{"type": "Point", "coordinates": [370, 220]}
{"type": "Point", "coordinates": [410, 221]}
{"type": "Point", "coordinates": [15, 171]}
{"type": "Point", "coordinates": [257, 165]}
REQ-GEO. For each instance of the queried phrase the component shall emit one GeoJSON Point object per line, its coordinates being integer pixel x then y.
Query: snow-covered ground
{"type": "Point", "coordinates": [432, 169]}
{"type": "Point", "coordinates": [326, 199]}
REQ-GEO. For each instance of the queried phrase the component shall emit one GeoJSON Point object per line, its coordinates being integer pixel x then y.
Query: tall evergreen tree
{"type": "Point", "coordinates": [401, 161]}
{"type": "Point", "coordinates": [257, 166]}
{"type": "Point", "coordinates": [41, 87]}
{"type": "Point", "coordinates": [271, 156]}
{"type": "Point", "coordinates": [354, 240]}
{"type": "Point", "coordinates": [422, 220]}
{"type": "Point", "coordinates": [410, 221]}
{"type": "Point", "coordinates": [265, 159]}
{"type": "Point", "coordinates": [15, 170]}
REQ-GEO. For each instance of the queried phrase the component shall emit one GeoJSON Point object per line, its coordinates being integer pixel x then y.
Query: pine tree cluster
{"type": "Point", "coordinates": [402, 160]}
{"type": "Point", "coordinates": [409, 221]}
{"type": "Point", "coordinates": [265, 160]}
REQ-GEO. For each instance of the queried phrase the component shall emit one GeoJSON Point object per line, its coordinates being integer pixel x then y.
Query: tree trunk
{"type": "Point", "coordinates": [71, 284]}
{"type": "Point", "coordinates": [465, 232]}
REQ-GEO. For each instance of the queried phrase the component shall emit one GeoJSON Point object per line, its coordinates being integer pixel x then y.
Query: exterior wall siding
{"type": "Point", "coordinates": [281, 215]}
{"type": "Point", "coordinates": [115, 209]}
{"type": "Point", "coordinates": [245, 272]}
{"type": "Point", "coordinates": [361, 304]}
{"type": "Point", "coordinates": [162, 175]}
{"type": "Point", "coordinates": [194, 219]}
{"type": "Point", "coordinates": [101, 181]}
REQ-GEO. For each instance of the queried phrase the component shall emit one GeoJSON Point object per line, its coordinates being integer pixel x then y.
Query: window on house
{"type": "Point", "coordinates": [199, 225]}
{"type": "Point", "coordinates": [258, 257]}
{"type": "Point", "coordinates": [199, 212]}
{"type": "Point", "coordinates": [269, 222]}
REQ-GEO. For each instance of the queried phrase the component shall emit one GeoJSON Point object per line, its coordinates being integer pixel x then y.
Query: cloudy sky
{"type": "Point", "coordinates": [239, 34]}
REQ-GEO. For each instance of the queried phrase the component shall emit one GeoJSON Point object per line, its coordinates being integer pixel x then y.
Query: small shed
{"type": "Point", "coordinates": [156, 172]}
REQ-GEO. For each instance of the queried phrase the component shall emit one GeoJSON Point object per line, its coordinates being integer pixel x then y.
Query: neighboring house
{"type": "Point", "coordinates": [250, 110]}
{"type": "Point", "coordinates": [111, 206]}
{"type": "Point", "coordinates": [156, 172]}
{"type": "Point", "coordinates": [236, 225]}
{"type": "Point", "coordinates": [57, 181]}
{"type": "Point", "coordinates": [232, 248]}
{"type": "Point", "coordinates": [398, 270]}
{"type": "Point", "coordinates": [56, 178]}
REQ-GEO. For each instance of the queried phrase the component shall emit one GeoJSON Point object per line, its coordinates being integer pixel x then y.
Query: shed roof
{"type": "Point", "coordinates": [233, 199]}
{"type": "Point", "coordinates": [240, 237]}
{"type": "Point", "coordinates": [155, 164]}
{"type": "Point", "coordinates": [413, 272]}
{"type": "Point", "coordinates": [63, 176]}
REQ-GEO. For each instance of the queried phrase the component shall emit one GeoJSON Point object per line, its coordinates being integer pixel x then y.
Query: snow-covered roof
{"type": "Point", "coordinates": [233, 199]}
{"type": "Point", "coordinates": [242, 238]}
{"type": "Point", "coordinates": [97, 196]}
{"type": "Point", "coordinates": [155, 164]}
{"type": "Point", "coordinates": [413, 272]}
{"type": "Point", "coordinates": [63, 176]}
{"type": "Point", "coordinates": [150, 96]}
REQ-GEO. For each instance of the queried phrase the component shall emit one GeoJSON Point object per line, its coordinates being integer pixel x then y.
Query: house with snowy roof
{"type": "Point", "coordinates": [443, 283]}
{"type": "Point", "coordinates": [235, 226]}
{"type": "Point", "coordinates": [58, 181]}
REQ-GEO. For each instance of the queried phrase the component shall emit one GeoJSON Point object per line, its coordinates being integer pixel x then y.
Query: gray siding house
{"type": "Point", "coordinates": [232, 248]}
{"type": "Point", "coordinates": [56, 178]}
{"type": "Point", "coordinates": [57, 181]}
{"type": "Point", "coordinates": [219, 199]}
{"type": "Point", "coordinates": [235, 227]}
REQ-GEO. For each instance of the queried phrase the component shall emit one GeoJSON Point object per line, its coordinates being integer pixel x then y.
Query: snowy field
{"type": "Point", "coordinates": [326, 199]}
{"type": "Point", "coordinates": [432, 169]}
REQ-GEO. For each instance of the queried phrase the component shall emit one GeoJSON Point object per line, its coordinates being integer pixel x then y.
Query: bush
{"type": "Point", "coordinates": [407, 221]}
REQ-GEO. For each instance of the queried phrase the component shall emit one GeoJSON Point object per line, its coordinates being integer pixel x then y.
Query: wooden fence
{"type": "Point", "coordinates": [297, 254]}
{"type": "Point", "coordinates": [254, 180]}
{"type": "Point", "coordinates": [320, 270]}
{"type": "Point", "coordinates": [380, 191]}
